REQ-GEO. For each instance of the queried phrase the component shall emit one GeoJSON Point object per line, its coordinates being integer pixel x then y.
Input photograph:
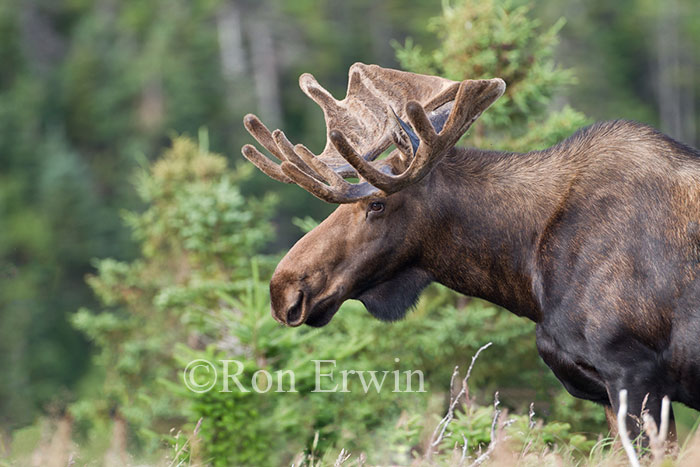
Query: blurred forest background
{"type": "Point", "coordinates": [120, 136]}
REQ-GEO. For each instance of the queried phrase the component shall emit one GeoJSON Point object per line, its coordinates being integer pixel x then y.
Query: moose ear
{"type": "Point", "coordinates": [408, 131]}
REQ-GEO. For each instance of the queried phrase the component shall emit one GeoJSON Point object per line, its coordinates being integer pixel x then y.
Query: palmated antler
{"type": "Point", "coordinates": [365, 123]}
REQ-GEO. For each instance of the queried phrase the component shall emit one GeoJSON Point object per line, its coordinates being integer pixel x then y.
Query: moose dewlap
{"type": "Point", "coordinates": [595, 239]}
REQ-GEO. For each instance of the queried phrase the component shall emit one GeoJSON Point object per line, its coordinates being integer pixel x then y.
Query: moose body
{"type": "Point", "coordinates": [596, 240]}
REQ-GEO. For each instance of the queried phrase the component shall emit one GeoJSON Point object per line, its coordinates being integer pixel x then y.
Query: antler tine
{"type": "Point", "coordinates": [288, 151]}
{"type": "Point", "coordinates": [335, 194]}
{"type": "Point", "coordinates": [310, 184]}
{"type": "Point", "coordinates": [365, 168]}
{"type": "Point", "coordinates": [262, 135]}
{"type": "Point", "coordinates": [278, 145]}
{"type": "Point", "coordinates": [318, 165]}
{"type": "Point", "coordinates": [264, 163]}
{"type": "Point", "coordinates": [384, 181]}
{"type": "Point", "coordinates": [473, 97]}
{"type": "Point", "coordinates": [318, 93]}
{"type": "Point", "coordinates": [300, 166]}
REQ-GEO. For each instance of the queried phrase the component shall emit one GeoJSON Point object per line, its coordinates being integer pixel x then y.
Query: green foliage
{"type": "Point", "coordinates": [193, 234]}
{"type": "Point", "coordinates": [516, 433]}
{"type": "Point", "coordinates": [486, 39]}
{"type": "Point", "coordinates": [80, 95]}
{"type": "Point", "coordinates": [619, 49]}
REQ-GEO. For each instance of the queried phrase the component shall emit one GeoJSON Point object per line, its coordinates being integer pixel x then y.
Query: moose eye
{"type": "Point", "coordinates": [375, 206]}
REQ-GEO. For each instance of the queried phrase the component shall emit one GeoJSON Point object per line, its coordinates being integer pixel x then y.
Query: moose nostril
{"type": "Point", "coordinates": [294, 311]}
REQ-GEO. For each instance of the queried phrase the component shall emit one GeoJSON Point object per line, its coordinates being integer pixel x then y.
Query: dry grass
{"type": "Point", "coordinates": [608, 454]}
{"type": "Point", "coordinates": [55, 447]}
{"type": "Point", "coordinates": [502, 452]}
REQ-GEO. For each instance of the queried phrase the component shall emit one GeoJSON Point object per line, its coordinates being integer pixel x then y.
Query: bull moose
{"type": "Point", "coordinates": [596, 239]}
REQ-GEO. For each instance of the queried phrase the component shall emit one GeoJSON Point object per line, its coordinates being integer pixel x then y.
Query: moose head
{"type": "Point", "coordinates": [376, 246]}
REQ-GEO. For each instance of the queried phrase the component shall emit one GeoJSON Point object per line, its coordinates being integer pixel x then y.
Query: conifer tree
{"type": "Point", "coordinates": [491, 38]}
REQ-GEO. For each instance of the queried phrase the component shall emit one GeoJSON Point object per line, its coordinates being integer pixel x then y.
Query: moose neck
{"type": "Point", "coordinates": [492, 209]}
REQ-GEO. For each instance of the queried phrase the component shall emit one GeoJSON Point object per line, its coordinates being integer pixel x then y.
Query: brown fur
{"type": "Point", "coordinates": [597, 240]}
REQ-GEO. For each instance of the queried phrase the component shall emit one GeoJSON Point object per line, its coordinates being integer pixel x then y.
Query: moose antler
{"type": "Point", "coordinates": [364, 124]}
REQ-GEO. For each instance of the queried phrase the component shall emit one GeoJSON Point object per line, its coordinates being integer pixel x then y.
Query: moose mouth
{"type": "Point", "coordinates": [387, 301]}
{"type": "Point", "coordinates": [375, 299]}
{"type": "Point", "coordinates": [306, 309]}
{"type": "Point", "coordinates": [322, 312]}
